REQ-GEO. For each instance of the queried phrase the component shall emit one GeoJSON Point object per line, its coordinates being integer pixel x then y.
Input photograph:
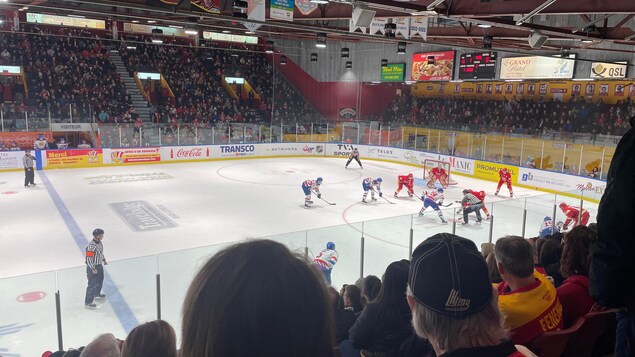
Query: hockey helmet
{"type": "Point", "coordinates": [410, 176]}
{"type": "Point", "coordinates": [378, 179]}
{"type": "Point", "coordinates": [562, 205]}
{"type": "Point", "coordinates": [98, 231]}
{"type": "Point", "coordinates": [465, 192]}
{"type": "Point", "coordinates": [440, 190]}
{"type": "Point", "coordinates": [547, 218]}
{"type": "Point", "coordinates": [504, 169]}
{"type": "Point", "coordinates": [319, 180]}
{"type": "Point", "coordinates": [330, 245]}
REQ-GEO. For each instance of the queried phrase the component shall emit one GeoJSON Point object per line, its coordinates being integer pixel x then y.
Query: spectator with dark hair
{"type": "Point", "coordinates": [549, 259]}
{"type": "Point", "coordinates": [453, 302]}
{"type": "Point", "coordinates": [372, 286]}
{"type": "Point", "coordinates": [151, 339]}
{"type": "Point", "coordinates": [492, 268]}
{"type": "Point", "coordinates": [344, 319]}
{"type": "Point", "coordinates": [384, 324]}
{"type": "Point", "coordinates": [527, 299]}
{"type": "Point", "coordinates": [352, 297]}
{"type": "Point", "coordinates": [574, 291]}
{"type": "Point", "coordinates": [234, 307]}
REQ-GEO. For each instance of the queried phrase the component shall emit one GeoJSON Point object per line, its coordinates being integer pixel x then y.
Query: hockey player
{"type": "Point", "coordinates": [505, 177]}
{"type": "Point", "coordinates": [433, 199]}
{"type": "Point", "coordinates": [469, 204]}
{"type": "Point", "coordinates": [62, 144]}
{"type": "Point", "coordinates": [573, 213]}
{"type": "Point", "coordinates": [408, 181]}
{"type": "Point", "coordinates": [309, 186]}
{"type": "Point", "coordinates": [354, 155]}
{"type": "Point", "coordinates": [547, 228]}
{"type": "Point", "coordinates": [326, 260]}
{"type": "Point", "coordinates": [438, 173]}
{"type": "Point", "coordinates": [481, 196]}
{"type": "Point", "coordinates": [371, 185]}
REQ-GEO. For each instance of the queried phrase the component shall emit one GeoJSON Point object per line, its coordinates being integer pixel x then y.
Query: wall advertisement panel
{"type": "Point", "coordinates": [134, 155]}
{"type": "Point", "coordinates": [555, 181]}
{"type": "Point", "coordinates": [486, 170]}
{"type": "Point", "coordinates": [11, 160]}
{"type": "Point", "coordinates": [58, 159]}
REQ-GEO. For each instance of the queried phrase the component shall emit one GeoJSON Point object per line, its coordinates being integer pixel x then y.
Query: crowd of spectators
{"type": "Point", "coordinates": [66, 76]}
{"type": "Point", "coordinates": [451, 306]}
{"type": "Point", "coordinates": [513, 116]}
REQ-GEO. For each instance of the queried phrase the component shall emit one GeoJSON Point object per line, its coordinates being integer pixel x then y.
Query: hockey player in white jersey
{"type": "Point", "coordinates": [433, 199]}
{"type": "Point", "coordinates": [310, 186]}
{"type": "Point", "coordinates": [373, 186]}
{"type": "Point", "coordinates": [326, 260]}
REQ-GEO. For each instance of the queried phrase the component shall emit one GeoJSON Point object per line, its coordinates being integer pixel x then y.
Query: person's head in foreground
{"type": "Point", "coordinates": [151, 339]}
{"type": "Point", "coordinates": [256, 298]}
{"type": "Point", "coordinates": [103, 346]}
{"type": "Point", "coordinates": [453, 302]}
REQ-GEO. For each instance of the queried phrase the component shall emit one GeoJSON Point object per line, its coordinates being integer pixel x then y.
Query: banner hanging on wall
{"type": "Point", "coordinates": [608, 70]}
{"type": "Point", "coordinates": [281, 10]}
{"type": "Point", "coordinates": [255, 11]}
{"type": "Point", "coordinates": [432, 66]}
{"type": "Point", "coordinates": [536, 67]}
{"type": "Point", "coordinates": [306, 7]}
{"type": "Point", "coordinates": [419, 27]}
{"type": "Point", "coordinates": [393, 72]}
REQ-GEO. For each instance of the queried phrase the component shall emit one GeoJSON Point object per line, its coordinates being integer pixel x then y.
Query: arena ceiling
{"type": "Point", "coordinates": [580, 25]}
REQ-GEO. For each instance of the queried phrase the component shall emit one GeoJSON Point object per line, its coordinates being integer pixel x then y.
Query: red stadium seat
{"type": "Point", "coordinates": [554, 343]}
{"type": "Point", "coordinates": [594, 325]}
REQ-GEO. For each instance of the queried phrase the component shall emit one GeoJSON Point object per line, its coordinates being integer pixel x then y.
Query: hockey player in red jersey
{"type": "Point", "coordinates": [481, 196]}
{"type": "Point", "coordinates": [408, 181]}
{"type": "Point", "coordinates": [573, 214]}
{"type": "Point", "coordinates": [505, 177]}
{"type": "Point", "coordinates": [438, 173]}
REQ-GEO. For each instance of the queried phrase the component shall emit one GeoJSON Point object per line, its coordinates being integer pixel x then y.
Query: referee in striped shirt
{"type": "Point", "coordinates": [471, 203]}
{"type": "Point", "coordinates": [29, 175]}
{"type": "Point", "coordinates": [95, 261]}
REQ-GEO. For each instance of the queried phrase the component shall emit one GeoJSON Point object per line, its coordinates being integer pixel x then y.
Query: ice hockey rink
{"type": "Point", "coordinates": [168, 219]}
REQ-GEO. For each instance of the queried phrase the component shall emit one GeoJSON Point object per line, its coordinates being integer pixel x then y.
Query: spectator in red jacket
{"type": "Point", "coordinates": [574, 265]}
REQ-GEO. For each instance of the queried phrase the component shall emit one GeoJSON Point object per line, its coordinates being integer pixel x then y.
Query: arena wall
{"type": "Point", "coordinates": [542, 180]}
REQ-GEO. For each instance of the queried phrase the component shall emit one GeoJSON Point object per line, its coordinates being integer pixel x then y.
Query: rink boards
{"type": "Point", "coordinates": [547, 181]}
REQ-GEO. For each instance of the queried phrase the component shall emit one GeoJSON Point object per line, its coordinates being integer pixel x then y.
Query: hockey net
{"type": "Point", "coordinates": [429, 164]}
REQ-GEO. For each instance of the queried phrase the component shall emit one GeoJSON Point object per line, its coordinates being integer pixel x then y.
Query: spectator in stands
{"type": "Point", "coordinates": [232, 301]}
{"type": "Point", "coordinates": [352, 297]}
{"type": "Point", "coordinates": [595, 172]}
{"type": "Point", "coordinates": [371, 288]}
{"type": "Point", "coordinates": [453, 302]}
{"type": "Point", "coordinates": [103, 346]}
{"type": "Point", "coordinates": [384, 324]}
{"type": "Point", "coordinates": [344, 318]}
{"type": "Point", "coordinates": [84, 145]}
{"type": "Point", "coordinates": [527, 299]}
{"type": "Point", "coordinates": [574, 291]}
{"type": "Point", "coordinates": [492, 267]}
{"type": "Point", "coordinates": [151, 339]}
{"type": "Point", "coordinates": [549, 259]}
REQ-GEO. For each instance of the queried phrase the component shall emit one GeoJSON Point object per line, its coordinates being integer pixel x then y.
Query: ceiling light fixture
{"type": "Point", "coordinates": [321, 40]}
{"type": "Point", "coordinates": [314, 57]}
{"type": "Point", "coordinates": [319, 2]}
{"type": "Point", "coordinates": [534, 12]}
{"type": "Point", "coordinates": [349, 65]}
{"type": "Point", "coordinates": [156, 36]}
{"type": "Point", "coordinates": [190, 25]}
{"type": "Point", "coordinates": [401, 48]}
{"type": "Point", "coordinates": [283, 60]}
{"type": "Point", "coordinates": [384, 62]}
{"type": "Point", "coordinates": [240, 8]}
{"type": "Point", "coordinates": [345, 53]}
{"type": "Point", "coordinates": [485, 26]}
{"type": "Point", "coordinates": [152, 22]}
{"type": "Point", "coordinates": [269, 46]}
{"type": "Point", "coordinates": [390, 29]}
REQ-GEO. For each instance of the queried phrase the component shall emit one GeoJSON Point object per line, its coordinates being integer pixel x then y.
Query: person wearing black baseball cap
{"type": "Point", "coordinates": [453, 302]}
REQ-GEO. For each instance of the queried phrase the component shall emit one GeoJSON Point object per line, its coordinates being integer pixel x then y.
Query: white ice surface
{"type": "Point", "coordinates": [216, 202]}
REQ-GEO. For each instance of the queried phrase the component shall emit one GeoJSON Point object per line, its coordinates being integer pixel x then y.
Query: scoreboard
{"type": "Point", "coordinates": [478, 65]}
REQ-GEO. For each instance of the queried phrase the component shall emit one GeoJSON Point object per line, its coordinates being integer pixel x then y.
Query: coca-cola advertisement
{"type": "Point", "coordinates": [185, 153]}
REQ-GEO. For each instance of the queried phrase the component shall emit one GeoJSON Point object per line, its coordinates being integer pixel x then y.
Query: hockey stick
{"type": "Point", "coordinates": [382, 196]}
{"type": "Point", "coordinates": [330, 203]}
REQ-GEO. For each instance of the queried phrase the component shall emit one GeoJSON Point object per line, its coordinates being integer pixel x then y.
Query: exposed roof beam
{"type": "Point", "coordinates": [476, 8]}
